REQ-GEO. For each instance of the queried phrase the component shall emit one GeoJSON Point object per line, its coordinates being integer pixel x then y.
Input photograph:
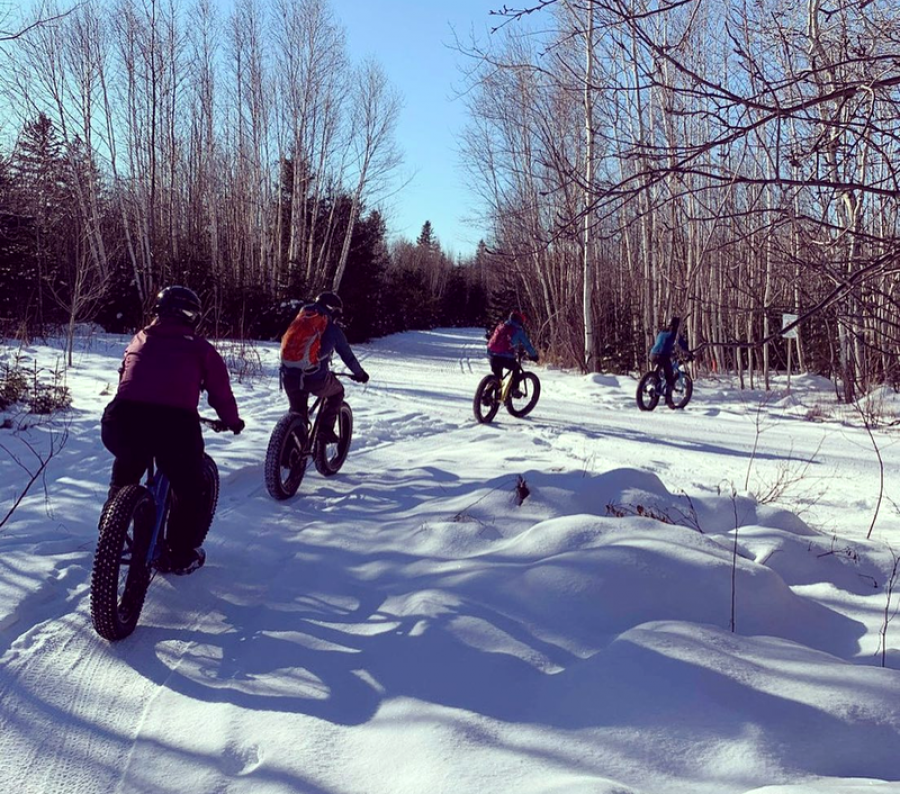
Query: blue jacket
{"type": "Point", "coordinates": [665, 344]}
{"type": "Point", "coordinates": [507, 338]}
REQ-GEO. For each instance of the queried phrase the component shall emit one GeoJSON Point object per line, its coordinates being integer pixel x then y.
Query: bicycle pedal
{"type": "Point", "coordinates": [196, 563]}
{"type": "Point", "coordinates": [165, 564]}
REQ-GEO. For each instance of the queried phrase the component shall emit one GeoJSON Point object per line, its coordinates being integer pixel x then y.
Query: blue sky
{"type": "Point", "coordinates": [412, 39]}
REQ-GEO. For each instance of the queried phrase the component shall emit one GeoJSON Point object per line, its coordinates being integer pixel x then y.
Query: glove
{"type": "Point", "coordinates": [236, 429]}
{"type": "Point", "coordinates": [361, 378]}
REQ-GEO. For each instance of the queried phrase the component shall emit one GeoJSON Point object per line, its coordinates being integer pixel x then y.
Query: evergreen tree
{"type": "Point", "coordinates": [426, 237]}
{"type": "Point", "coordinates": [16, 255]}
{"type": "Point", "coordinates": [42, 194]}
{"type": "Point", "coordinates": [411, 302]}
{"type": "Point", "coordinates": [367, 307]}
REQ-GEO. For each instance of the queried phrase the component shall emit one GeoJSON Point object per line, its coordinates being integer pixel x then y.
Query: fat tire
{"type": "Point", "coordinates": [329, 458]}
{"type": "Point", "coordinates": [488, 389]}
{"type": "Point", "coordinates": [647, 395]}
{"type": "Point", "coordinates": [531, 385]}
{"type": "Point", "coordinates": [285, 464]}
{"type": "Point", "coordinates": [211, 496]}
{"type": "Point", "coordinates": [680, 394]}
{"type": "Point", "coordinates": [117, 596]}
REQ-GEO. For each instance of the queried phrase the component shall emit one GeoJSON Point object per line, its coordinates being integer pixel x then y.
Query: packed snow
{"type": "Point", "coordinates": [686, 602]}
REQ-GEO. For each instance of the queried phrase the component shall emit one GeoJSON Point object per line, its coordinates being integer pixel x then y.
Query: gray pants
{"type": "Point", "coordinates": [299, 387]}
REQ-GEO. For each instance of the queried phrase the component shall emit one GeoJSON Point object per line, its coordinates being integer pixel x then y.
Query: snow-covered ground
{"type": "Point", "coordinates": [406, 627]}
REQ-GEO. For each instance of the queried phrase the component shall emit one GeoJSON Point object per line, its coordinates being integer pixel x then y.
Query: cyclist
{"type": "Point", "coordinates": [507, 339]}
{"type": "Point", "coordinates": [154, 414]}
{"type": "Point", "coordinates": [306, 350]}
{"type": "Point", "coordinates": [664, 349]}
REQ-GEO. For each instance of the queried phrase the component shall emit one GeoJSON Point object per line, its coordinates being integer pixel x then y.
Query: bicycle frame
{"type": "Point", "coordinates": [158, 485]}
{"type": "Point", "coordinates": [506, 385]}
{"type": "Point", "coordinates": [312, 427]}
{"type": "Point", "coordinates": [506, 382]}
{"type": "Point", "coordinates": [677, 371]}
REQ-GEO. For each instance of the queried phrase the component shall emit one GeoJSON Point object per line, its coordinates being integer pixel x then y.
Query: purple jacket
{"type": "Point", "coordinates": [166, 363]}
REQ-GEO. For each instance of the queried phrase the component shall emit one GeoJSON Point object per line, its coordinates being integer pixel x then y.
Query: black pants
{"type": "Point", "coordinates": [299, 388]}
{"type": "Point", "coordinates": [499, 364]}
{"type": "Point", "coordinates": [136, 432]}
{"type": "Point", "coordinates": [668, 370]}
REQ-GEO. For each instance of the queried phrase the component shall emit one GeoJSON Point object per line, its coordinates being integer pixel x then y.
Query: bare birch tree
{"type": "Point", "coordinates": [374, 112]}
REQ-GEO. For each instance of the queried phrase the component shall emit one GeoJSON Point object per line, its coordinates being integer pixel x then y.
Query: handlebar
{"type": "Point", "coordinates": [216, 425]}
{"type": "Point", "coordinates": [349, 375]}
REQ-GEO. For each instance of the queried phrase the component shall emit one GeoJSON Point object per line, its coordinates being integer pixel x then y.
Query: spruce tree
{"type": "Point", "coordinates": [42, 193]}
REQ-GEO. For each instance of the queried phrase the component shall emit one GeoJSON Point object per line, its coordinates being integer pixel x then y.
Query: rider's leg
{"type": "Point", "coordinates": [668, 371]}
{"type": "Point", "coordinates": [332, 390]}
{"type": "Point", "coordinates": [179, 455]}
{"type": "Point", "coordinates": [516, 368]}
{"type": "Point", "coordinates": [124, 432]}
{"type": "Point", "coordinates": [298, 397]}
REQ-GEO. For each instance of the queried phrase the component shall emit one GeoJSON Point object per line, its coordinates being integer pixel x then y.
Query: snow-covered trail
{"type": "Point", "coordinates": [323, 628]}
{"type": "Point", "coordinates": [755, 441]}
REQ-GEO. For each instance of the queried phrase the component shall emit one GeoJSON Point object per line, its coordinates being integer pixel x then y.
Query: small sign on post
{"type": "Point", "coordinates": [786, 320]}
{"type": "Point", "coordinates": [791, 333]}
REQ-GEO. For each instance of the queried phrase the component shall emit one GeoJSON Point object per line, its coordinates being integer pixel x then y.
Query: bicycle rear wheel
{"type": "Point", "coordinates": [285, 457]}
{"type": "Point", "coordinates": [329, 457]}
{"type": "Point", "coordinates": [648, 391]}
{"type": "Point", "coordinates": [680, 394]}
{"type": "Point", "coordinates": [121, 575]}
{"type": "Point", "coordinates": [487, 399]}
{"type": "Point", "coordinates": [524, 396]}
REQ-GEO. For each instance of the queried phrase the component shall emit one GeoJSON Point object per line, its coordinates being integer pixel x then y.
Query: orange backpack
{"type": "Point", "coordinates": [303, 338]}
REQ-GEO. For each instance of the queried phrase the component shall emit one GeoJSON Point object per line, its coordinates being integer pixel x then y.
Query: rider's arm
{"type": "Point", "coordinates": [218, 388]}
{"type": "Point", "coordinates": [342, 347]}
{"type": "Point", "coordinates": [520, 337]}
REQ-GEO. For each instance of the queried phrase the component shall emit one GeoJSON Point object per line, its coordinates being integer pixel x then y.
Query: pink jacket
{"type": "Point", "coordinates": [166, 363]}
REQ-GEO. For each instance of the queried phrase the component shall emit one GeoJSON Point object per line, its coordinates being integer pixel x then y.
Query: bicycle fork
{"type": "Point", "coordinates": [159, 489]}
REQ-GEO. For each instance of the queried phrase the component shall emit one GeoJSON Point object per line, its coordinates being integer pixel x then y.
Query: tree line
{"type": "Point", "coordinates": [728, 162]}
{"type": "Point", "coordinates": [159, 143]}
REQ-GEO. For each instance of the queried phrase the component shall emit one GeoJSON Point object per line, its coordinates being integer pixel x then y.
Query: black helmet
{"type": "Point", "coordinates": [674, 323]}
{"type": "Point", "coordinates": [179, 302]}
{"type": "Point", "coordinates": [332, 302]}
{"type": "Point", "coordinates": [518, 317]}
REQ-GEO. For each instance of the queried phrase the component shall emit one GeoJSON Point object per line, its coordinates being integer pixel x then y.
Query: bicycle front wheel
{"type": "Point", "coordinates": [210, 496]}
{"type": "Point", "coordinates": [329, 457]}
{"type": "Point", "coordinates": [524, 396]}
{"type": "Point", "coordinates": [487, 399]}
{"type": "Point", "coordinates": [680, 393]}
{"type": "Point", "coordinates": [286, 457]}
{"type": "Point", "coordinates": [121, 574]}
{"type": "Point", "coordinates": [648, 391]}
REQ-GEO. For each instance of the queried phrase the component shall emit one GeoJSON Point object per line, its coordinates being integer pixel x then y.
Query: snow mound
{"type": "Point", "coordinates": [856, 785]}
{"type": "Point", "coordinates": [591, 577]}
{"type": "Point", "coordinates": [640, 492]}
{"type": "Point", "coordinates": [732, 705]}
